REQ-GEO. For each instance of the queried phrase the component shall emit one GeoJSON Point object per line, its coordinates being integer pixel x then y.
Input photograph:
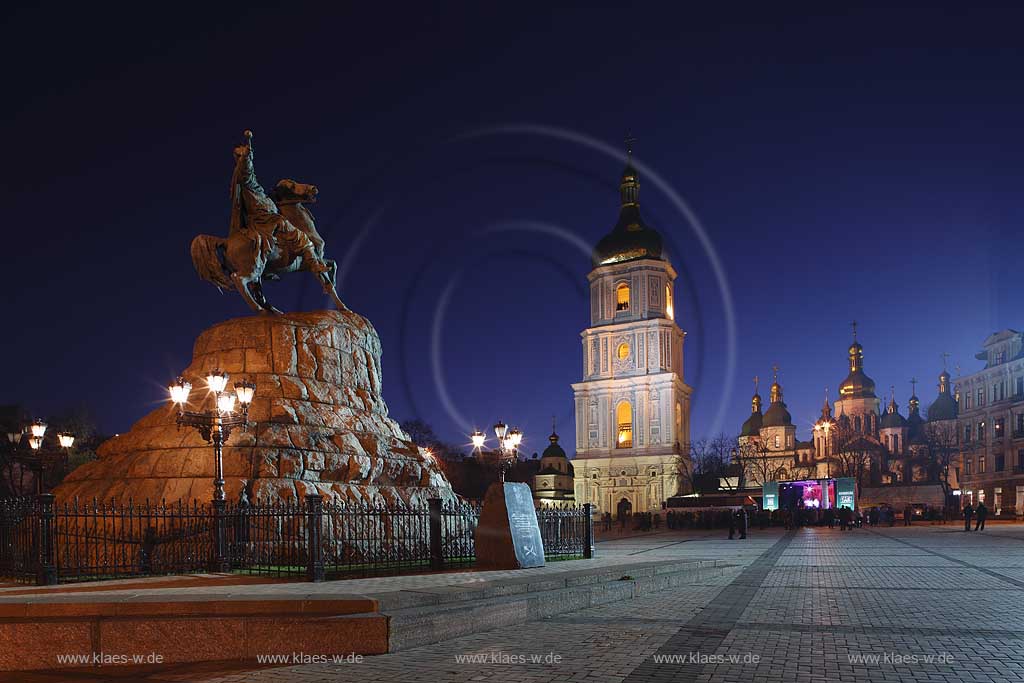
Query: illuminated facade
{"type": "Point", "coordinates": [632, 408]}
{"type": "Point", "coordinates": [989, 414]}
{"type": "Point", "coordinates": [853, 430]}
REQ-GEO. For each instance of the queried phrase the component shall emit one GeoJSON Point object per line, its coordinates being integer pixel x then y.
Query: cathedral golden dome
{"type": "Point", "coordinates": [857, 384]}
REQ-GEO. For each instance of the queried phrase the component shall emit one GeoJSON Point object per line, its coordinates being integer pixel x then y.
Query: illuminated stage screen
{"type": "Point", "coordinates": [817, 494]}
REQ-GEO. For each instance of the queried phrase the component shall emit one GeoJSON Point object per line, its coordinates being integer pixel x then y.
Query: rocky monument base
{"type": "Point", "coordinates": [319, 424]}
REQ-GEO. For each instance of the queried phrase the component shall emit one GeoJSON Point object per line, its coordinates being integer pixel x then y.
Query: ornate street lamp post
{"type": "Point", "coordinates": [508, 445]}
{"type": "Point", "coordinates": [215, 427]}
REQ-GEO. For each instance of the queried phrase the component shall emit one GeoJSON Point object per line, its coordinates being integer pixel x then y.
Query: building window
{"type": "Point", "coordinates": [981, 396]}
{"type": "Point", "coordinates": [967, 401]}
{"type": "Point", "coordinates": [624, 419]}
{"type": "Point", "coordinates": [968, 466]}
{"type": "Point", "coordinates": [789, 441]}
{"type": "Point", "coordinates": [1020, 459]}
{"type": "Point", "coordinates": [856, 423]}
{"type": "Point", "coordinates": [776, 442]}
{"type": "Point", "coordinates": [623, 351]}
{"type": "Point", "coordinates": [997, 500]}
{"type": "Point", "coordinates": [1000, 462]}
{"type": "Point", "coordinates": [1020, 425]}
{"type": "Point", "coordinates": [1020, 386]}
{"type": "Point", "coordinates": [982, 461]}
{"type": "Point", "coordinates": [967, 433]}
{"type": "Point", "coordinates": [670, 311]}
{"type": "Point", "coordinates": [981, 432]}
{"type": "Point", "coordinates": [622, 297]}
{"type": "Point", "coordinates": [1000, 426]}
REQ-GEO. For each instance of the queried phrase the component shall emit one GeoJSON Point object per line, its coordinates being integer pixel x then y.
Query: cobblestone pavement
{"type": "Point", "coordinates": [925, 603]}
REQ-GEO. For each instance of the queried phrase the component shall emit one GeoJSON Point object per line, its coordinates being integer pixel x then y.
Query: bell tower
{"type": "Point", "coordinates": [632, 406]}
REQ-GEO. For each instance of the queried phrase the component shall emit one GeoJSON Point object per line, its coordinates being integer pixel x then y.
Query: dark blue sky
{"type": "Point", "coordinates": [845, 163]}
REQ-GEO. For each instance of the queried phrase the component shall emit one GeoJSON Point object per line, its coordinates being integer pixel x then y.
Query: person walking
{"type": "Point", "coordinates": [908, 513]}
{"type": "Point", "coordinates": [732, 526]}
{"type": "Point", "coordinates": [982, 513]}
{"type": "Point", "coordinates": [968, 513]}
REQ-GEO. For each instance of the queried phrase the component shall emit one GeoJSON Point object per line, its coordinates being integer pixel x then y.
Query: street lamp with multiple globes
{"type": "Point", "coordinates": [215, 425]}
{"type": "Point", "coordinates": [508, 445]}
{"type": "Point", "coordinates": [37, 459]}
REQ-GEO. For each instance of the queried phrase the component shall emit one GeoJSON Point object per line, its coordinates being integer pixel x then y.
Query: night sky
{"type": "Point", "coordinates": [844, 164]}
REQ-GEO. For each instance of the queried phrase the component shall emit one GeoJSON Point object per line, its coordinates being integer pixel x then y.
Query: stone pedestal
{"type": "Point", "coordinates": [319, 424]}
{"type": "Point", "coordinates": [508, 536]}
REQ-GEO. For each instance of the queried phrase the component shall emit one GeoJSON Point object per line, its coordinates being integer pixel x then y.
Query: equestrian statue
{"type": "Point", "coordinates": [268, 236]}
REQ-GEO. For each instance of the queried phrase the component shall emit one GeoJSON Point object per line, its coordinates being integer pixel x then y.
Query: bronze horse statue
{"type": "Point", "coordinates": [268, 237]}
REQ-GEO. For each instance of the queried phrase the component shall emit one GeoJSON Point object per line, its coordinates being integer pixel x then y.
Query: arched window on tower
{"type": "Point", "coordinates": [624, 421]}
{"type": "Point", "coordinates": [622, 297]}
{"type": "Point", "coordinates": [670, 311]}
{"type": "Point", "coordinates": [856, 423]}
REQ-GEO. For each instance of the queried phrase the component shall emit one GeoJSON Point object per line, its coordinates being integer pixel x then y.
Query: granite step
{"type": "Point", "coordinates": [431, 615]}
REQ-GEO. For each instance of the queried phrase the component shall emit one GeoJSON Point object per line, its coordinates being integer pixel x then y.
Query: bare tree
{"type": "Point", "coordinates": [702, 465]}
{"type": "Point", "coordinates": [761, 464]}
{"type": "Point", "coordinates": [852, 454]}
{"type": "Point", "coordinates": [943, 448]}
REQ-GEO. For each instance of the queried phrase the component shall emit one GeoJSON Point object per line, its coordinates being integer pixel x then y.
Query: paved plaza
{"type": "Point", "coordinates": [926, 603]}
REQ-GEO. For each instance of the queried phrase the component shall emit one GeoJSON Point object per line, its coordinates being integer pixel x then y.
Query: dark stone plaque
{"type": "Point", "coordinates": [508, 536]}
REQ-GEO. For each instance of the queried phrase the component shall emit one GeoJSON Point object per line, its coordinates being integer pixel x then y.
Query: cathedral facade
{"type": "Point", "coordinates": [632, 407]}
{"type": "Point", "coordinates": [854, 436]}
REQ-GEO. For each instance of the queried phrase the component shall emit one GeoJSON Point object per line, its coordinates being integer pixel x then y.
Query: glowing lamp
{"type": "Point", "coordinates": [179, 391]}
{"type": "Point", "coordinates": [217, 380]}
{"type": "Point", "coordinates": [500, 430]}
{"type": "Point", "coordinates": [66, 439]}
{"type": "Point", "coordinates": [478, 439]}
{"type": "Point", "coordinates": [226, 403]}
{"type": "Point", "coordinates": [14, 437]}
{"type": "Point", "coordinates": [35, 442]}
{"type": "Point", "coordinates": [38, 428]}
{"type": "Point", "coordinates": [245, 391]}
{"type": "Point", "coordinates": [516, 436]}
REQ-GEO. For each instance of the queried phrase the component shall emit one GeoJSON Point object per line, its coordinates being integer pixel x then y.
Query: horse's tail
{"type": "Point", "coordinates": [207, 257]}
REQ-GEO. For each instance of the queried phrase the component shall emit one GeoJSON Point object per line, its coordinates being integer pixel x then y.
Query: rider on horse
{"type": "Point", "coordinates": [252, 209]}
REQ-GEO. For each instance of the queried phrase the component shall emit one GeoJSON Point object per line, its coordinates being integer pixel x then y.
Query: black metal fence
{"type": "Point", "coordinates": [45, 542]}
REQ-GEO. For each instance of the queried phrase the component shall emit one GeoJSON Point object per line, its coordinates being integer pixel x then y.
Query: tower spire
{"type": "Point", "coordinates": [629, 187]}
{"type": "Point", "coordinates": [629, 145]}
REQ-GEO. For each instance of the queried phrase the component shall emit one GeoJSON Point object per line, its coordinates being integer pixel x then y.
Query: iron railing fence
{"type": "Point", "coordinates": [45, 542]}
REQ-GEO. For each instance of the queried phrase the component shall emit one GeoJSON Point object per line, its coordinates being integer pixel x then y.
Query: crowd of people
{"type": "Point", "coordinates": [740, 520]}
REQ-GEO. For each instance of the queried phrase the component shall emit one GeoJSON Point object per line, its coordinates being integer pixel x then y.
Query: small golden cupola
{"type": "Point", "coordinates": [752, 425]}
{"type": "Point", "coordinates": [777, 415]}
